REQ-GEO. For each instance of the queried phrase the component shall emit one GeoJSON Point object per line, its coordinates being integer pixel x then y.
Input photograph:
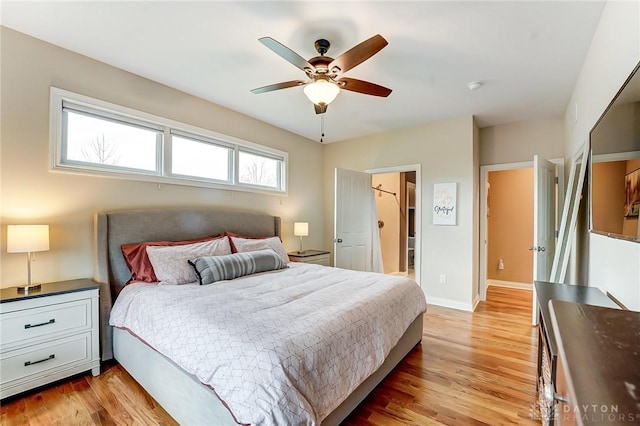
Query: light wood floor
{"type": "Point", "coordinates": [471, 369]}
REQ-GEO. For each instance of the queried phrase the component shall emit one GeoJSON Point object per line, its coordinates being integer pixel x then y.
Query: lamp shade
{"type": "Point", "coordinates": [27, 238]}
{"type": "Point", "coordinates": [301, 229]}
{"type": "Point", "coordinates": [321, 92]}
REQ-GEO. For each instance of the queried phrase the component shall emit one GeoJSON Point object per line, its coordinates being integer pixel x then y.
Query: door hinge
{"type": "Point", "coordinates": [557, 180]}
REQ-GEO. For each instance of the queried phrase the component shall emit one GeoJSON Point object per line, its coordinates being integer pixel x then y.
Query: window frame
{"type": "Point", "coordinates": [60, 99]}
{"type": "Point", "coordinates": [247, 150]}
{"type": "Point", "coordinates": [87, 165]}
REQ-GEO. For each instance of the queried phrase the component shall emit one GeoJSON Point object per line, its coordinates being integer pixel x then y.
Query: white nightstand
{"type": "Point", "coordinates": [48, 335]}
{"type": "Point", "coordinates": [319, 257]}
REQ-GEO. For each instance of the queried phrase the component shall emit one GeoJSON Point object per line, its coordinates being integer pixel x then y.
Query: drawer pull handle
{"type": "Point", "coordinates": [51, 321]}
{"type": "Point", "coordinates": [28, 363]}
{"type": "Point", "coordinates": [551, 396]}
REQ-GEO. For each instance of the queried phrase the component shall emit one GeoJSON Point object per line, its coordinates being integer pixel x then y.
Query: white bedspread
{"type": "Point", "coordinates": [279, 348]}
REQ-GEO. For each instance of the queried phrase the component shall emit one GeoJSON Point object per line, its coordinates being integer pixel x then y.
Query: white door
{"type": "Point", "coordinates": [544, 229]}
{"type": "Point", "coordinates": [352, 237]}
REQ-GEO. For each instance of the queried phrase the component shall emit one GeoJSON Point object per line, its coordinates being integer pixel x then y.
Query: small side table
{"type": "Point", "coordinates": [48, 335]}
{"type": "Point", "coordinates": [319, 257]}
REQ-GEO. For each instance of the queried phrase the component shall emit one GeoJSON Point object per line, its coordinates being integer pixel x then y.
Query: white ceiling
{"type": "Point", "coordinates": [528, 54]}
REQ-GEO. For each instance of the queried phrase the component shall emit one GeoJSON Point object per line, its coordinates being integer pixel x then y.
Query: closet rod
{"type": "Point", "coordinates": [382, 190]}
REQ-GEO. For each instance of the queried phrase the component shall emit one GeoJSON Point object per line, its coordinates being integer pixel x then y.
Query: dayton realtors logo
{"type": "Point", "coordinates": [587, 413]}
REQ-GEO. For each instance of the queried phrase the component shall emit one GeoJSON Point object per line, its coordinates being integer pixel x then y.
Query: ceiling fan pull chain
{"type": "Point", "coordinates": [322, 128]}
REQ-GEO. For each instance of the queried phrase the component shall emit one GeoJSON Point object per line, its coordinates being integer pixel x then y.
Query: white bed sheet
{"type": "Point", "coordinates": [282, 347]}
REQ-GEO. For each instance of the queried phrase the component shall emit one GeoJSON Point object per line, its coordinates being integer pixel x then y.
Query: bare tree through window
{"type": "Point", "coordinates": [257, 170]}
{"type": "Point", "coordinates": [101, 151]}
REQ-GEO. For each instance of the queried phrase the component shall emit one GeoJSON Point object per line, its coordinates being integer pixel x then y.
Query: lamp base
{"type": "Point", "coordinates": [33, 288]}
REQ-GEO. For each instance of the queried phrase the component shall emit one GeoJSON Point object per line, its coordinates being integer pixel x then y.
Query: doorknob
{"type": "Point", "coordinates": [338, 240]}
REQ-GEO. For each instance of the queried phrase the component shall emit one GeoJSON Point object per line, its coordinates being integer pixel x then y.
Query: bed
{"type": "Point", "coordinates": [188, 399]}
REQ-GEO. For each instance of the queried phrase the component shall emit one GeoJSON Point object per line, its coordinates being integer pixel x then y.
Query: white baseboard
{"type": "Point", "coordinates": [476, 300]}
{"type": "Point", "coordinates": [510, 284]}
{"type": "Point", "coordinates": [448, 303]}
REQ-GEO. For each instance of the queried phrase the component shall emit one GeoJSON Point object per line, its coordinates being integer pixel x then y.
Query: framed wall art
{"type": "Point", "coordinates": [444, 203]}
{"type": "Point", "coordinates": [632, 194]}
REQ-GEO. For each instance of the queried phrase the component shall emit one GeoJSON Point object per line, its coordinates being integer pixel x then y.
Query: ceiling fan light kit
{"type": "Point", "coordinates": [321, 92]}
{"type": "Point", "coordinates": [324, 73]}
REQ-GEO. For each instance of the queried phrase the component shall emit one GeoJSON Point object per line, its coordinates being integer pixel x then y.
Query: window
{"type": "Point", "coordinates": [258, 169]}
{"type": "Point", "coordinates": [98, 141]}
{"type": "Point", "coordinates": [92, 136]}
{"type": "Point", "coordinates": [200, 158]}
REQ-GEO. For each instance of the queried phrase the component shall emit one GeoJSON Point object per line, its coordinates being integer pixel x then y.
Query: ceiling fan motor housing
{"type": "Point", "coordinates": [322, 46]}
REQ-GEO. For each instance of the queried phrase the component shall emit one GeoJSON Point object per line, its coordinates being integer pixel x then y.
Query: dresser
{"type": "Point", "coordinates": [319, 257]}
{"type": "Point", "coordinates": [547, 344]}
{"type": "Point", "coordinates": [48, 335]}
{"type": "Point", "coordinates": [599, 364]}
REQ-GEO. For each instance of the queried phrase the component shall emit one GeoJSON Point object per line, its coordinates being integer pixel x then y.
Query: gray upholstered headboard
{"type": "Point", "coordinates": [113, 229]}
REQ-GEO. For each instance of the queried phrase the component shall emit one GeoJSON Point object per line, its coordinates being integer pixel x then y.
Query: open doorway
{"type": "Point", "coordinates": [395, 199]}
{"type": "Point", "coordinates": [505, 214]}
{"type": "Point", "coordinates": [510, 228]}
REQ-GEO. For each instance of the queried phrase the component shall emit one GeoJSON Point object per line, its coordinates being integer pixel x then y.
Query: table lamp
{"type": "Point", "coordinates": [301, 229]}
{"type": "Point", "coordinates": [27, 239]}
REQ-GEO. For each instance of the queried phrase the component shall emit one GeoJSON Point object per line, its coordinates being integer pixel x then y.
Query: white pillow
{"type": "Point", "coordinates": [249, 244]}
{"type": "Point", "coordinates": [171, 263]}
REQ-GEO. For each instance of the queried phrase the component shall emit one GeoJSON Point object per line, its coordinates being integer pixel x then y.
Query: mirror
{"type": "Point", "coordinates": [569, 217]}
{"type": "Point", "coordinates": [615, 168]}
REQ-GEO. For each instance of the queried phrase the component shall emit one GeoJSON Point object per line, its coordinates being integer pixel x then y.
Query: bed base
{"type": "Point", "coordinates": [190, 402]}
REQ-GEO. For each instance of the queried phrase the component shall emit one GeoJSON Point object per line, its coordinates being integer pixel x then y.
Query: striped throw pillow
{"type": "Point", "coordinates": [211, 269]}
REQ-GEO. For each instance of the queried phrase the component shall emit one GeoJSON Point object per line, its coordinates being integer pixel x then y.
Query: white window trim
{"type": "Point", "coordinates": [58, 96]}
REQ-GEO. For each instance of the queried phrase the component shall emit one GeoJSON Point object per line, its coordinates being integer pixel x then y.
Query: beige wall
{"type": "Point", "coordinates": [30, 193]}
{"type": "Point", "coordinates": [510, 225]}
{"type": "Point", "coordinates": [613, 54]}
{"type": "Point", "coordinates": [388, 209]}
{"type": "Point", "coordinates": [446, 152]}
{"type": "Point", "coordinates": [475, 220]}
{"type": "Point", "coordinates": [613, 265]}
{"type": "Point", "coordinates": [518, 142]}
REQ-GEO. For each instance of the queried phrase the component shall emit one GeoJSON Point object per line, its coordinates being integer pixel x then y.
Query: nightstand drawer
{"type": "Point", "coordinates": [318, 257]}
{"type": "Point", "coordinates": [318, 260]}
{"type": "Point", "coordinates": [44, 321]}
{"type": "Point", "coordinates": [36, 359]}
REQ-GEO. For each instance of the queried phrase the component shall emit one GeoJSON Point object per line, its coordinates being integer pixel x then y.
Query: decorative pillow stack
{"type": "Point", "coordinates": [211, 269]}
{"type": "Point", "coordinates": [171, 264]}
{"type": "Point", "coordinates": [180, 262]}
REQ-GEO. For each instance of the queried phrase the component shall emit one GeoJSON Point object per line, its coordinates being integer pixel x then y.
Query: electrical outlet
{"type": "Point", "coordinates": [443, 279]}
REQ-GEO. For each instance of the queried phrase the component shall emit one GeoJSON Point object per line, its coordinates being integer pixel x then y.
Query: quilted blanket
{"type": "Point", "coordinates": [280, 347]}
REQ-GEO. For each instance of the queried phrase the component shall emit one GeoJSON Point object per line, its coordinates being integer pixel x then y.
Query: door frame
{"type": "Point", "coordinates": [484, 175]}
{"type": "Point", "coordinates": [418, 217]}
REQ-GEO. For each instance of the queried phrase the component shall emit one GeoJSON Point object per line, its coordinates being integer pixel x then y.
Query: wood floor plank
{"type": "Point", "coordinates": [471, 368]}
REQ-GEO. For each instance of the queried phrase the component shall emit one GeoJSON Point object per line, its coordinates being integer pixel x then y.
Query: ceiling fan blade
{"type": "Point", "coordinates": [278, 86]}
{"type": "Point", "coordinates": [365, 87]}
{"type": "Point", "coordinates": [320, 109]}
{"type": "Point", "coordinates": [287, 54]}
{"type": "Point", "coordinates": [357, 54]}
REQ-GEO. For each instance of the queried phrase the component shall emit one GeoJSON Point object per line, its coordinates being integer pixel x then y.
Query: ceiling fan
{"type": "Point", "coordinates": [325, 73]}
